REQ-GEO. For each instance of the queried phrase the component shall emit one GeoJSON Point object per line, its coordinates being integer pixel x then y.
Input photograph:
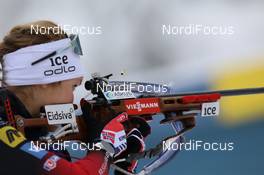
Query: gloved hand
{"type": "Point", "coordinates": [113, 136]}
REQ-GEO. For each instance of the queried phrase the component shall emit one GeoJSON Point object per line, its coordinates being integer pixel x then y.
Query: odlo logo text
{"type": "Point", "coordinates": [62, 62]}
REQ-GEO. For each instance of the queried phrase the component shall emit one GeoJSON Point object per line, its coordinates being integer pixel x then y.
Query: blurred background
{"type": "Point", "coordinates": [127, 36]}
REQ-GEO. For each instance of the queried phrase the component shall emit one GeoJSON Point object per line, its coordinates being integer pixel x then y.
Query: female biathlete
{"type": "Point", "coordinates": [42, 69]}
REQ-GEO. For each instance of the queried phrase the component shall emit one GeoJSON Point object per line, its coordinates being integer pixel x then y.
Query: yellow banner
{"type": "Point", "coordinates": [241, 108]}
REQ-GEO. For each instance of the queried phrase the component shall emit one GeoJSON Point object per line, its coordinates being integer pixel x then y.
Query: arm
{"type": "Point", "coordinates": [15, 150]}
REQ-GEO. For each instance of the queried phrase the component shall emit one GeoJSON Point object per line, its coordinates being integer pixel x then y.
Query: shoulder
{"type": "Point", "coordinates": [3, 97]}
{"type": "Point", "coordinates": [3, 121]}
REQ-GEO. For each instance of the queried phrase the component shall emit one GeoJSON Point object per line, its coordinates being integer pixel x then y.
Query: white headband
{"type": "Point", "coordinates": [18, 69]}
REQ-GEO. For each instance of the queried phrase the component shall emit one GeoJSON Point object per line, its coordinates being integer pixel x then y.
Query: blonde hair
{"type": "Point", "coordinates": [22, 36]}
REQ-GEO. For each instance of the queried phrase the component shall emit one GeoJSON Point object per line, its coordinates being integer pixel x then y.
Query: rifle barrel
{"type": "Point", "coordinates": [230, 92]}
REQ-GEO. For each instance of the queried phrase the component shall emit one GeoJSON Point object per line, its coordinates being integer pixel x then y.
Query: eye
{"type": "Point", "coordinates": [74, 86]}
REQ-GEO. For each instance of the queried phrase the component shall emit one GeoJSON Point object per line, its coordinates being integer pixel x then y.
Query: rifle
{"type": "Point", "coordinates": [179, 110]}
{"type": "Point", "coordinates": [175, 107]}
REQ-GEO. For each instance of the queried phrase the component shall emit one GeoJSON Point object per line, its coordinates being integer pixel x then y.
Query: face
{"type": "Point", "coordinates": [62, 92]}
